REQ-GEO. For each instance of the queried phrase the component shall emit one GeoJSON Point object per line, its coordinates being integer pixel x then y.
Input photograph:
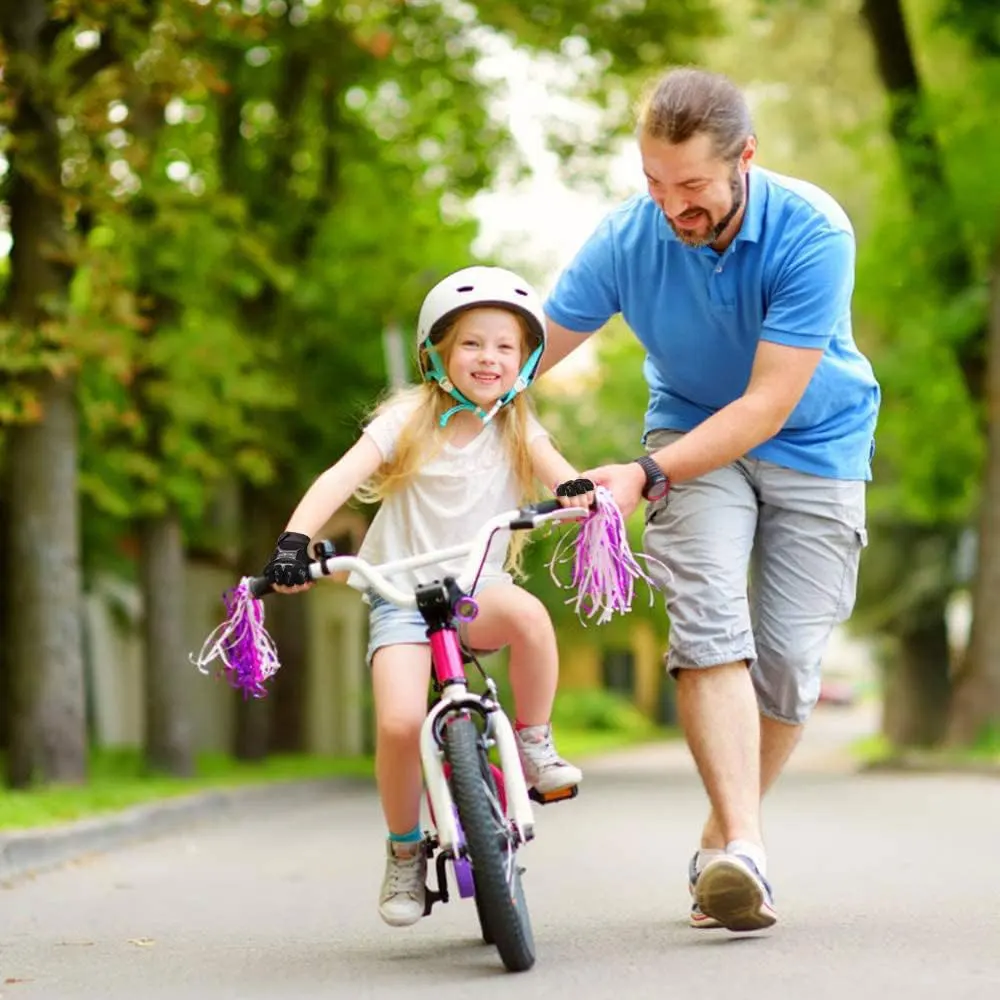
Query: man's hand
{"type": "Point", "coordinates": [625, 482]}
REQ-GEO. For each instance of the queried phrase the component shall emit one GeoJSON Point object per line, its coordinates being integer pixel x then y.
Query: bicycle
{"type": "Point", "coordinates": [481, 814]}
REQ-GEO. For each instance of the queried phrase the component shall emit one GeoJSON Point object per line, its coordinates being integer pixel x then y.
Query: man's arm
{"type": "Point", "coordinates": [559, 343]}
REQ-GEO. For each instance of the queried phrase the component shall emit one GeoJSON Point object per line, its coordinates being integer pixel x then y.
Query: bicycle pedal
{"type": "Point", "coordinates": [556, 795]}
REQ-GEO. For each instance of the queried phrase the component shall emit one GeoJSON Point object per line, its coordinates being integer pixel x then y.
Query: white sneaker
{"type": "Point", "coordinates": [544, 769]}
{"type": "Point", "coordinates": [402, 899]}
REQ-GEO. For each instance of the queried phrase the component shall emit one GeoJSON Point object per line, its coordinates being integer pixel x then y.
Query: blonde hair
{"type": "Point", "coordinates": [422, 438]}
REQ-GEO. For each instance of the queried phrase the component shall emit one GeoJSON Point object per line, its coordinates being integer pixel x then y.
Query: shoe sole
{"type": "Point", "coordinates": [728, 893]}
{"type": "Point", "coordinates": [702, 922]}
{"type": "Point", "coordinates": [399, 921]}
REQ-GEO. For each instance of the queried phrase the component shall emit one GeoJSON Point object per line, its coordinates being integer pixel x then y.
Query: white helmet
{"type": "Point", "coordinates": [470, 288]}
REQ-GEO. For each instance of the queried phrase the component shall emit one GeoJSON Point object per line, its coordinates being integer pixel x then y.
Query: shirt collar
{"type": "Point", "coordinates": [753, 217]}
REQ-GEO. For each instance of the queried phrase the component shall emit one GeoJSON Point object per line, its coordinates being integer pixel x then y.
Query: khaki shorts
{"type": "Point", "coordinates": [761, 563]}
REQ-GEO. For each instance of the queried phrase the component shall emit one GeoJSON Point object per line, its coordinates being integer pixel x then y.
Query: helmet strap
{"type": "Point", "coordinates": [439, 375]}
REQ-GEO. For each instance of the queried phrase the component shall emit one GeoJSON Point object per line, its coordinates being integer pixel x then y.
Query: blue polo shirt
{"type": "Point", "coordinates": [787, 277]}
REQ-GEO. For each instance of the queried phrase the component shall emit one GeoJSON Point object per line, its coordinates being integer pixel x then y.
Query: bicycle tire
{"type": "Point", "coordinates": [502, 909]}
{"type": "Point", "coordinates": [484, 767]}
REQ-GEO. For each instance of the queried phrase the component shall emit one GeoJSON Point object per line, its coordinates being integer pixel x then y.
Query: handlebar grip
{"type": "Point", "coordinates": [545, 506]}
{"type": "Point", "coordinates": [260, 585]}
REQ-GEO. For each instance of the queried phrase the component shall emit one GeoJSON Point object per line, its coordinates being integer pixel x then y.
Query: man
{"type": "Point", "coordinates": [759, 430]}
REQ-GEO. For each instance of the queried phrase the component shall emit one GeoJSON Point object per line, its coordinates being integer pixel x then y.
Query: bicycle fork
{"type": "Point", "coordinates": [455, 698]}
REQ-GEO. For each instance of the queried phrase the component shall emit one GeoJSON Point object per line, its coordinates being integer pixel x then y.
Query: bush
{"type": "Point", "coordinates": [598, 709]}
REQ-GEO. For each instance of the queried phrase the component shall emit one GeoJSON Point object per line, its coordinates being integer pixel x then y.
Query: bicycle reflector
{"type": "Point", "coordinates": [466, 609]}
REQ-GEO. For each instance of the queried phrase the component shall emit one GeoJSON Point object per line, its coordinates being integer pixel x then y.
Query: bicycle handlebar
{"type": "Point", "coordinates": [521, 519]}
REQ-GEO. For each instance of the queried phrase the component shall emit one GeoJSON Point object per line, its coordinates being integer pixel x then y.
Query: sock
{"type": "Point", "coordinates": [750, 850]}
{"type": "Point", "coordinates": [706, 854]}
{"type": "Point", "coordinates": [410, 840]}
{"type": "Point", "coordinates": [536, 731]}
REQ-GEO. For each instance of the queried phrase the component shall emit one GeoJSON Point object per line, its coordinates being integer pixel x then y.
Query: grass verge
{"type": "Point", "coordinates": [117, 779]}
{"type": "Point", "coordinates": [876, 751]}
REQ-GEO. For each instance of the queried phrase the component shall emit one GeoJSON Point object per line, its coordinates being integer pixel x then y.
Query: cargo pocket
{"type": "Point", "coordinates": [849, 585]}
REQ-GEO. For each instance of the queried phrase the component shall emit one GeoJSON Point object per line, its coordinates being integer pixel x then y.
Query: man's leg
{"type": "Point", "coordinates": [718, 712]}
{"type": "Point", "coordinates": [803, 580]}
{"type": "Point", "coordinates": [777, 741]}
{"type": "Point", "coordinates": [804, 577]}
{"type": "Point", "coordinates": [703, 535]}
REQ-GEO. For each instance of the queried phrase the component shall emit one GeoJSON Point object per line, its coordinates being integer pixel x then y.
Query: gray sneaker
{"type": "Point", "coordinates": [544, 769]}
{"type": "Point", "coordinates": [731, 890]}
{"type": "Point", "coordinates": [402, 899]}
{"type": "Point", "coordinates": [697, 918]}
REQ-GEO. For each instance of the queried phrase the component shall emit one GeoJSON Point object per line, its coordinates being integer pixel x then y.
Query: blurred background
{"type": "Point", "coordinates": [217, 222]}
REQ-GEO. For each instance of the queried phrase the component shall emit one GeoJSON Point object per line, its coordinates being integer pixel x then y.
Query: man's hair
{"type": "Point", "coordinates": [687, 102]}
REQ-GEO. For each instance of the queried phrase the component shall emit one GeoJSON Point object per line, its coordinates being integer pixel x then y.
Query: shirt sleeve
{"type": "Point", "coordinates": [813, 293]}
{"type": "Point", "coordinates": [586, 294]}
{"type": "Point", "coordinates": [535, 428]}
{"type": "Point", "coordinates": [385, 428]}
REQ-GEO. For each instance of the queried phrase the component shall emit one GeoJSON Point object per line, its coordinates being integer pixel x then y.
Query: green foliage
{"type": "Point", "coordinates": [598, 710]}
{"type": "Point", "coordinates": [252, 194]}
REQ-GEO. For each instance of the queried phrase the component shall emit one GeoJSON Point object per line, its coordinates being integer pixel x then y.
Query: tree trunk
{"type": "Point", "coordinates": [288, 621]}
{"type": "Point", "coordinates": [4, 628]}
{"type": "Point", "coordinates": [977, 699]}
{"type": "Point", "coordinates": [253, 715]}
{"type": "Point", "coordinates": [48, 740]}
{"type": "Point", "coordinates": [44, 648]}
{"type": "Point", "coordinates": [920, 679]}
{"type": "Point", "coordinates": [917, 689]}
{"type": "Point", "coordinates": [168, 735]}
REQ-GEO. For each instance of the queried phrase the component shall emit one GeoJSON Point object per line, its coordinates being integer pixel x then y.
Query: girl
{"type": "Point", "coordinates": [443, 457]}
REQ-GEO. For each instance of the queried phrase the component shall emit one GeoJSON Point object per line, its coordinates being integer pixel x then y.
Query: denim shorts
{"type": "Point", "coordinates": [390, 625]}
{"type": "Point", "coordinates": [797, 537]}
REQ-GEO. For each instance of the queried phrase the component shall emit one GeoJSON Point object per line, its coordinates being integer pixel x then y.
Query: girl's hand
{"type": "Point", "coordinates": [288, 568]}
{"type": "Point", "coordinates": [576, 493]}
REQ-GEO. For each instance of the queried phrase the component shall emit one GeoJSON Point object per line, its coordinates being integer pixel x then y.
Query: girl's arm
{"type": "Point", "coordinates": [333, 488]}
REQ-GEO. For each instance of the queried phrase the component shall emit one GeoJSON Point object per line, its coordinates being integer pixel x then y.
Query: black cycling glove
{"type": "Point", "coordinates": [289, 564]}
{"type": "Point", "coordinates": [574, 488]}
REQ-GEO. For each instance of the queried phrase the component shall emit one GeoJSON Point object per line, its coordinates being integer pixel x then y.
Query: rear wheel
{"type": "Point", "coordinates": [500, 902]}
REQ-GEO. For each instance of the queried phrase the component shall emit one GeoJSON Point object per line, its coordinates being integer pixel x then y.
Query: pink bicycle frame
{"type": "Point", "coordinates": [446, 657]}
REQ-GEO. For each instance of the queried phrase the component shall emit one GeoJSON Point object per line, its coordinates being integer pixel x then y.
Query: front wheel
{"type": "Point", "coordinates": [503, 913]}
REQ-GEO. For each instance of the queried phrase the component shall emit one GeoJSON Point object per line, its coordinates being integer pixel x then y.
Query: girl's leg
{"type": "Point", "coordinates": [510, 616]}
{"type": "Point", "coordinates": [400, 676]}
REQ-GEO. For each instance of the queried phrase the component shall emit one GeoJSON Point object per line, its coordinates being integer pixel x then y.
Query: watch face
{"type": "Point", "coordinates": [658, 490]}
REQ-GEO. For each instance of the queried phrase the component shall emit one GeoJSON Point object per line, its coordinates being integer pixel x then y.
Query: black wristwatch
{"type": "Point", "coordinates": [657, 484]}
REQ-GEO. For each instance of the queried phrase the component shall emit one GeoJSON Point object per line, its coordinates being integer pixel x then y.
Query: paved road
{"type": "Point", "coordinates": [888, 887]}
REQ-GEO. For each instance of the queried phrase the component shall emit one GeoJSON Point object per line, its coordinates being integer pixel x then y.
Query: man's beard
{"type": "Point", "coordinates": [693, 239]}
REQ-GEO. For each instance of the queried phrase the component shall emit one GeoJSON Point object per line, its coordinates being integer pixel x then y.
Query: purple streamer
{"type": "Point", "coordinates": [246, 652]}
{"type": "Point", "coordinates": [604, 567]}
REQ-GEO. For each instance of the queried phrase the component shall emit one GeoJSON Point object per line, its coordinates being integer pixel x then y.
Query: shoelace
{"type": "Point", "coordinates": [404, 876]}
{"type": "Point", "coordinates": [543, 755]}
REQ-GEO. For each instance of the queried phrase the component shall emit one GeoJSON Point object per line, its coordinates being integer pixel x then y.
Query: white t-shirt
{"type": "Point", "coordinates": [445, 504]}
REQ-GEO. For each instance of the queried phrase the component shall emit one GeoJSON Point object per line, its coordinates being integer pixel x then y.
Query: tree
{"type": "Point", "coordinates": [976, 702]}
{"type": "Point", "coordinates": [42, 620]}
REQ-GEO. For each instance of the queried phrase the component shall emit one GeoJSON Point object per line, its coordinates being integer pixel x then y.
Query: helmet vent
{"type": "Point", "coordinates": [521, 291]}
{"type": "Point", "coordinates": [466, 288]}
